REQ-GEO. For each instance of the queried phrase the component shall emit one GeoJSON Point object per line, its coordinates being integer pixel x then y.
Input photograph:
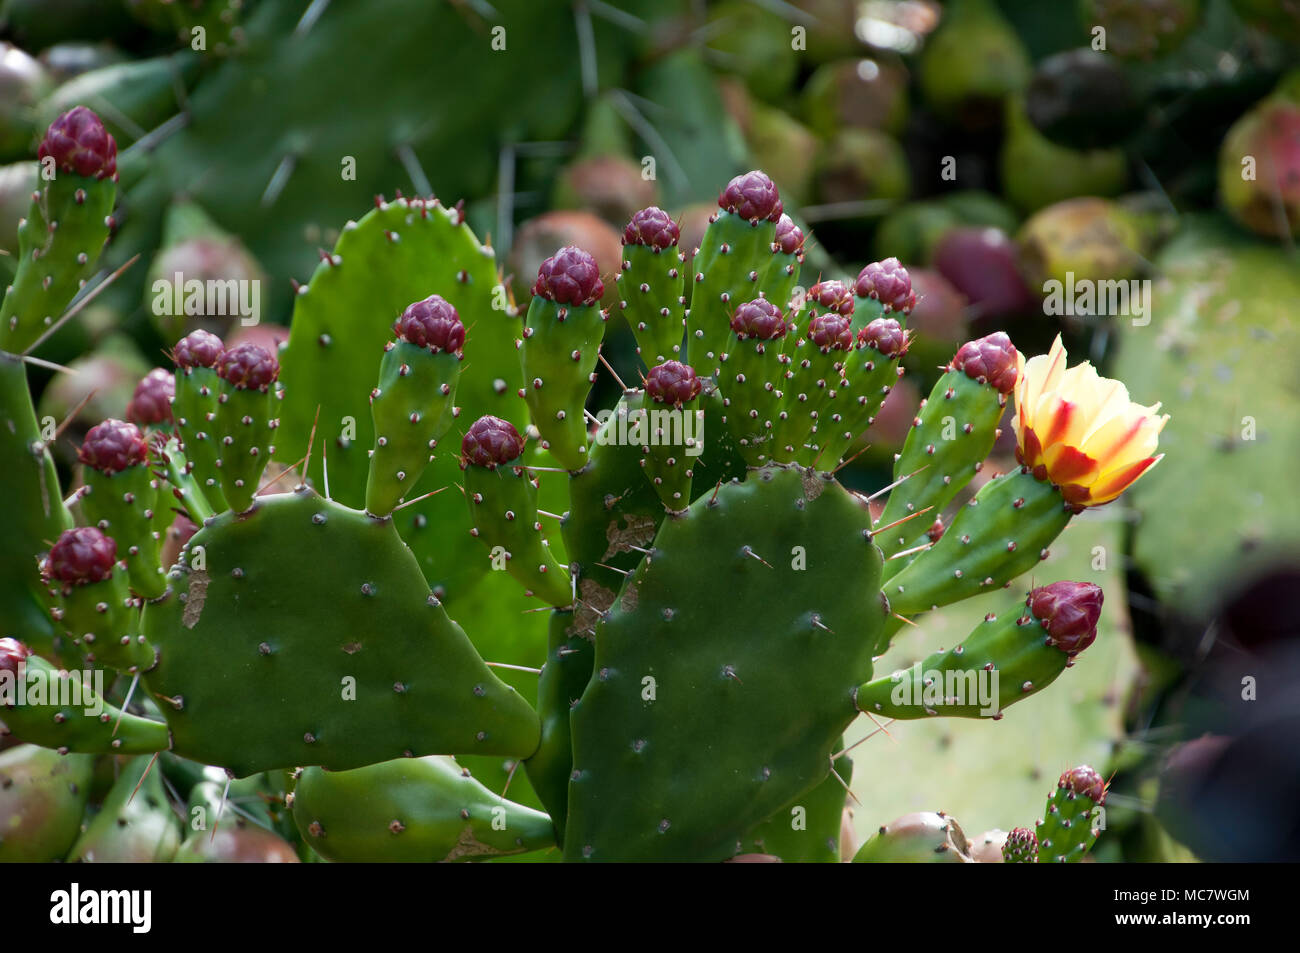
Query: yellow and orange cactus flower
{"type": "Point", "coordinates": [1080, 431]}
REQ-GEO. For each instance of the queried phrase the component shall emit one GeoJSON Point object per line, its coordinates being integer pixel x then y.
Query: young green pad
{"type": "Point", "coordinates": [651, 284]}
{"type": "Point", "coordinates": [870, 371]}
{"type": "Point", "coordinates": [668, 423]}
{"type": "Point", "coordinates": [413, 404]}
{"type": "Point", "coordinates": [1004, 530]}
{"type": "Point", "coordinates": [65, 229]}
{"type": "Point", "coordinates": [62, 710]}
{"type": "Point", "coordinates": [562, 334]}
{"type": "Point", "coordinates": [1065, 833]}
{"type": "Point", "coordinates": [949, 440]}
{"type": "Point", "coordinates": [419, 810]}
{"type": "Point", "coordinates": [503, 510]}
{"type": "Point", "coordinates": [252, 676]}
{"type": "Point", "coordinates": [752, 369]}
{"type": "Point", "coordinates": [725, 709]}
{"type": "Point", "coordinates": [194, 409]}
{"type": "Point", "coordinates": [247, 405]}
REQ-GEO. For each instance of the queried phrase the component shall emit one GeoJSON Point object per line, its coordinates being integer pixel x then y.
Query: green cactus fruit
{"type": "Point", "coordinates": [42, 798]}
{"type": "Point", "coordinates": [564, 678]}
{"type": "Point", "coordinates": [92, 599]}
{"type": "Point", "coordinates": [986, 848]}
{"type": "Point", "coordinates": [756, 43]}
{"type": "Point", "coordinates": [412, 406]}
{"type": "Point", "coordinates": [202, 277]}
{"type": "Point", "coordinates": [247, 415]}
{"type": "Point", "coordinates": [1078, 244]}
{"type": "Point", "coordinates": [220, 835]}
{"type": "Point", "coordinates": [1020, 847]}
{"type": "Point", "coordinates": [971, 63]}
{"type": "Point", "coordinates": [195, 399]}
{"type": "Point", "coordinates": [858, 93]}
{"type": "Point", "coordinates": [651, 285]}
{"type": "Point", "coordinates": [35, 512]}
{"type": "Point", "coordinates": [1004, 530]}
{"type": "Point", "coordinates": [1065, 834]}
{"type": "Point", "coordinates": [750, 377]}
{"type": "Point", "coordinates": [135, 824]}
{"type": "Point", "coordinates": [727, 710]}
{"type": "Point", "coordinates": [724, 275]}
{"type": "Point", "coordinates": [66, 226]}
{"type": "Point", "coordinates": [673, 424]}
{"type": "Point", "coordinates": [814, 360]}
{"type": "Point", "coordinates": [561, 342]}
{"type": "Point", "coordinates": [503, 510]}
{"type": "Point", "coordinates": [1259, 169]}
{"type": "Point", "coordinates": [922, 838]}
{"type": "Point", "coordinates": [949, 439]}
{"type": "Point", "coordinates": [1143, 29]}
{"type": "Point", "coordinates": [1036, 172]}
{"type": "Point", "coordinates": [1004, 660]}
{"type": "Point", "coordinates": [124, 498]}
{"type": "Point", "coordinates": [252, 677]}
{"type": "Point", "coordinates": [870, 371]}
{"type": "Point", "coordinates": [57, 709]}
{"type": "Point", "coordinates": [610, 186]}
{"type": "Point", "coordinates": [859, 165]}
{"type": "Point", "coordinates": [413, 810]}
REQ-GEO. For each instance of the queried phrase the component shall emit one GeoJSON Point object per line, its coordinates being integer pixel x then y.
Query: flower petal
{"type": "Point", "coordinates": [1113, 484]}
{"type": "Point", "coordinates": [1068, 464]}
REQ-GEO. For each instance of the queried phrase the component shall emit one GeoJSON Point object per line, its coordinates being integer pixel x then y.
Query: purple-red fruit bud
{"type": "Point", "coordinates": [1021, 844]}
{"type": "Point", "coordinates": [652, 227]}
{"type": "Point", "coordinates": [789, 238]}
{"type": "Point", "coordinates": [886, 335]}
{"type": "Point", "coordinates": [570, 276]}
{"type": "Point", "coordinates": [889, 283]}
{"type": "Point", "coordinates": [79, 143]}
{"type": "Point", "coordinates": [431, 323]}
{"type": "Point", "coordinates": [759, 319]}
{"type": "Point", "coordinates": [248, 366]}
{"type": "Point", "coordinates": [990, 359]}
{"type": "Point", "coordinates": [672, 382]}
{"type": "Point", "coordinates": [152, 401]}
{"type": "Point", "coordinates": [113, 446]}
{"type": "Point", "coordinates": [831, 331]}
{"type": "Point", "coordinates": [752, 196]}
{"type": "Point", "coordinates": [81, 556]}
{"type": "Point", "coordinates": [831, 296]}
{"type": "Point", "coordinates": [1084, 782]}
{"type": "Point", "coordinates": [491, 442]}
{"type": "Point", "coordinates": [12, 652]}
{"type": "Point", "coordinates": [1069, 612]}
{"type": "Point", "coordinates": [198, 349]}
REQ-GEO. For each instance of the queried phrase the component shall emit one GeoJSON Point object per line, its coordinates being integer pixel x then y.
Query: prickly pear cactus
{"type": "Point", "coordinates": [709, 600]}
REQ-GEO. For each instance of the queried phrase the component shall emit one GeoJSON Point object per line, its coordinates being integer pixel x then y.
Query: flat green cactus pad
{"type": "Point", "coordinates": [309, 637]}
{"type": "Point", "coordinates": [728, 702]}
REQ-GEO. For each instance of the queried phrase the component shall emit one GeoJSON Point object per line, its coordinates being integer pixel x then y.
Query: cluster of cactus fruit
{"type": "Point", "coordinates": [716, 597]}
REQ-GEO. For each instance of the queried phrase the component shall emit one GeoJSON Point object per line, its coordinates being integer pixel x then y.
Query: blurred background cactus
{"type": "Point", "coordinates": [1122, 173]}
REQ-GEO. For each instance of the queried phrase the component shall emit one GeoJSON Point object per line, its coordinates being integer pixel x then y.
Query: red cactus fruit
{"type": "Point", "coordinates": [79, 143]}
{"type": "Point", "coordinates": [886, 335]}
{"type": "Point", "coordinates": [12, 652]}
{"type": "Point", "coordinates": [759, 319]}
{"type": "Point", "coordinates": [991, 359]}
{"type": "Point", "coordinates": [248, 367]}
{"type": "Point", "coordinates": [887, 282]}
{"type": "Point", "coordinates": [152, 401]}
{"type": "Point", "coordinates": [491, 442]}
{"type": "Point", "coordinates": [672, 382]}
{"type": "Point", "coordinates": [1069, 612]}
{"type": "Point", "coordinates": [1083, 781]}
{"type": "Point", "coordinates": [198, 349]}
{"type": "Point", "coordinates": [431, 323]}
{"type": "Point", "coordinates": [652, 227]}
{"type": "Point", "coordinates": [831, 331]}
{"type": "Point", "coordinates": [113, 446]}
{"type": "Point", "coordinates": [570, 276]}
{"type": "Point", "coordinates": [81, 556]}
{"type": "Point", "coordinates": [752, 196]}
{"type": "Point", "coordinates": [789, 237]}
{"type": "Point", "coordinates": [831, 296]}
